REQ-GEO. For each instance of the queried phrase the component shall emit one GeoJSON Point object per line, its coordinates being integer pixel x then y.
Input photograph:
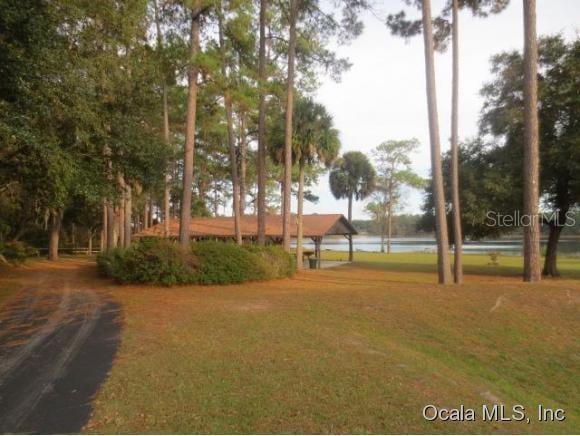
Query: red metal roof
{"type": "Point", "coordinates": [316, 225]}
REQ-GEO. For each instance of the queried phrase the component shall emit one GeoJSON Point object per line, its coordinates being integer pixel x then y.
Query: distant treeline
{"type": "Point", "coordinates": [418, 225]}
{"type": "Point", "coordinates": [403, 225]}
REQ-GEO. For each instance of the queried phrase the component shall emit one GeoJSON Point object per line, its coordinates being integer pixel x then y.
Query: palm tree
{"type": "Point", "coordinates": [315, 142]}
{"type": "Point", "coordinates": [532, 271]}
{"type": "Point", "coordinates": [352, 177]}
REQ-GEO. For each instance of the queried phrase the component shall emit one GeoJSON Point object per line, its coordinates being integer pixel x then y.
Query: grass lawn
{"type": "Point", "coordinates": [360, 348]}
{"type": "Point", "coordinates": [478, 264]}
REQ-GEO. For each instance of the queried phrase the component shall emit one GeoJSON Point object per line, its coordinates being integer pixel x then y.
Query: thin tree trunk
{"type": "Point", "coordinates": [261, 163]}
{"type": "Point", "coordinates": [231, 136]}
{"type": "Point", "coordinates": [531, 171]}
{"type": "Point", "coordinates": [151, 209]}
{"type": "Point", "coordinates": [457, 233]}
{"type": "Point", "coordinates": [167, 181]}
{"type": "Point", "coordinates": [104, 228]}
{"type": "Point", "coordinates": [121, 206]}
{"type": "Point", "coordinates": [350, 248]}
{"type": "Point", "coordinates": [234, 169]}
{"type": "Point", "coordinates": [300, 230]}
{"type": "Point", "coordinates": [128, 215]}
{"type": "Point", "coordinates": [215, 200]}
{"type": "Point", "coordinates": [111, 240]}
{"type": "Point", "coordinates": [443, 264]}
{"type": "Point", "coordinates": [286, 213]}
{"type": "Point", "coordinates": [90, 242]}
{"type": "Point", "coordinates": [243, 164]}
{"type": "Point", "coordinates": [145, 214]}
{"type": "Point", "coordinates": [390, 207]}
{"type": "Point", "coordinates": [389, 224]}
{"type": "Point", "coordinates": [185, 219]}
{"type": "Point", "coordinates": [109, 212]}
{"type": "Point", "coordinates": [54, 235]}
{"type": "Point", "coordinates": [383, 234]}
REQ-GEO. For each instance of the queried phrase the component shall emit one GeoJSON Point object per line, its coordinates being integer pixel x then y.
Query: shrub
{"type": "Point", "coordinates": [277, 262]}
{"type": "Point", "coordinates": [110, 263]}
{"type": "Point", "coordinates": [17, 251]}
{"type": "Point", "coordinates": [156, 261]}
{"type": "Point", "coordinates": [222, 263]}
{"type": "Point", "coordinates": [159, 261]}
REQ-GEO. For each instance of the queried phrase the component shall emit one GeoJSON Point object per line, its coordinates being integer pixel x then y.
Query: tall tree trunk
{"type": "Point", "coordinates": [104, 229]}
{"type": "Point", "coordinates": [231, 136]}
{"type": "Point", "coordinates": [457, 233]}
{"type": "Point", "coordinates": [531, 147]}
{"type": "Point", "coordinates": [55, 224]}
{"type": "Point", "coordinates": [350, 248]}
{"type": "Point", "coordinates": [111, 240]}
{"type": "Point", "coordinates": [300, 230]}
{"type": "Point", "coordinates": [261, 162]}
{"type": "Point", "coordinates": [389, 224]}
{"type": "Point", "coordinates": [234, 169]}
{"type": "Point", "coordinates": [90, 242]}
{"type": "Point", "coordinates": [390, 208]}
{"type": "Point", "coordinates": [286, 213]}
{"type": "Point", "coordinates": [167, 181]}
{"type": "Point", "coordinates": [443, 264]}
{"type": "Point", "coordinates": [121, 209]}
{"type": "Point", "coordinates": [185, 219]}
{"type": "Point", "coordinates": [383, 234]}
{"type": "Point", "coordinates": [128, 215]}
{"type": "Point", "coordinates": [109, 219]}
{"type": "Point", "coordinates": [215, 200]}
{"type": "Point", "coordinates": [146, 213]}
{"type": "Point", "coordinates": [243, 164]}
{"type": "Point", "coordinates": [151, 209]}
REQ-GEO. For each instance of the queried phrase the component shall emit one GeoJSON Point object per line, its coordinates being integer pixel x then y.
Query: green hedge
{"type": "Point", "coordinates": [159, 261]}
{"type": "Point", "coordinates": [156, 261]}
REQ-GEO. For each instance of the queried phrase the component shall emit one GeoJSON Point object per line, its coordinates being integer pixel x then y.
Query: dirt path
{"type": "Point", "coordinates": [58, 338]}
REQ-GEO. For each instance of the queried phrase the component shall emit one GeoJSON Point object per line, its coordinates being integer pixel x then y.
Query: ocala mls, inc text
{"type": "Point", "coordinates": [496, 412]}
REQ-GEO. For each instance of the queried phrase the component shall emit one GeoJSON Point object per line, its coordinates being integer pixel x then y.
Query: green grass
{"type": "Point", "coordinates": [473, 263]}
{"type": "Point", "coordinates": [357, 349]}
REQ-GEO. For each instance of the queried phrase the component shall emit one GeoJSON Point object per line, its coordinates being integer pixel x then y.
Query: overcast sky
{"type": "Point", "coordinates": [383, 95]}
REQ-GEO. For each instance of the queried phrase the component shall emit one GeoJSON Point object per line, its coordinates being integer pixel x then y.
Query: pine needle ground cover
{"type": "Point", "coordinates": [360, 348]}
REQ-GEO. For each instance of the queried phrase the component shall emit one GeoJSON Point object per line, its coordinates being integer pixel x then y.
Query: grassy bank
{"type": "Point", "coordinates": [478, 264]}
{"type": "Point", "coordinates": [356, 349]}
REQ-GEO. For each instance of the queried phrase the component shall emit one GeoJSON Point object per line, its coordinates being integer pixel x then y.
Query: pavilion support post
{"type": "Point", "coordinates": [317, 251]}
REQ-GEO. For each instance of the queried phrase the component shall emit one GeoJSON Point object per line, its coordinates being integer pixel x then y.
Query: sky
{"type": "Point", "coordinates": [383, 95]}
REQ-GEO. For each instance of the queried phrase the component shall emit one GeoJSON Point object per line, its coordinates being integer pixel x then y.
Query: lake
{"type": "Point", "coordinates": [426, 244]}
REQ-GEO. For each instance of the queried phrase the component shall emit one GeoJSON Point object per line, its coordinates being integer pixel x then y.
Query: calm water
{"type": "Point", "coordinates": [399, 245]}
